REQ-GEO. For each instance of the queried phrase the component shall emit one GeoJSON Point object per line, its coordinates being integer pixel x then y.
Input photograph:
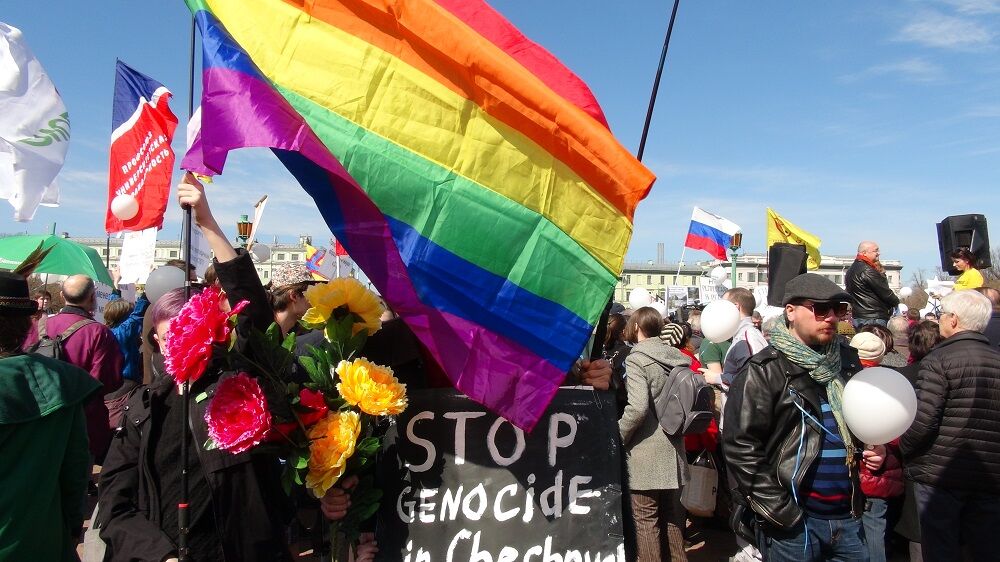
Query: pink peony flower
{"type": "Point", "coordinates": [237, 417]}
{"type": "Point", "coordinates": [191, 334]}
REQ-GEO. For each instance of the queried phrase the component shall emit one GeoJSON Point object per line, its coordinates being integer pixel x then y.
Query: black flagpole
{"type": "Point", "coordinates": [596, 352]}
{"type": "Point", "coordinates": [656, 81]}
{"type": "Point", "coordinates": [182, 506]}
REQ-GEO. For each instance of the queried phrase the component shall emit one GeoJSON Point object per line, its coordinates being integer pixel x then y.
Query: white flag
{"type": "Point", "coordinates": [34, 128]}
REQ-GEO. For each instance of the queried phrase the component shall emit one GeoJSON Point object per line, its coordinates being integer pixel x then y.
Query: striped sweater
{"type": "Point", "coordinates": [826, 489]}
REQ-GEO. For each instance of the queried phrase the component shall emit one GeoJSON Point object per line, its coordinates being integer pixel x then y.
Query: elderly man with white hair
{"type": "Point", "coordinates": [952, 450]}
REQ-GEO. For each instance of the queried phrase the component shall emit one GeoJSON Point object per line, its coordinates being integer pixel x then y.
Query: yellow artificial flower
{"type": "Point", "coordinates": [371, 387]}
{"type": "Point", "coordinates": [332, 442]}
{"type": "Point", "coordinates": [343, 292]}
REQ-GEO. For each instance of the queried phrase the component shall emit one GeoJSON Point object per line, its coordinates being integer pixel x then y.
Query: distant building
{"type": "Point", "coordinates": [171, 250]}
{"type": "Point", "coordinates": [751, 272]}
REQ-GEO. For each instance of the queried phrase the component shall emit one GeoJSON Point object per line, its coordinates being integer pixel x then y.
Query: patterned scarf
{"type": "Point", "coordinates": [824, 368]}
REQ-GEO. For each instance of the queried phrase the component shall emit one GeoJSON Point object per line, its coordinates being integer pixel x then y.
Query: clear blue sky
{"type": "Point", "coordinates": [854, 120]}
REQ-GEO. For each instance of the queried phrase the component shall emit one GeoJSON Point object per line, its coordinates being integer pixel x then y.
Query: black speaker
{"type": "Point", "coordinates": [784, 261]}
{"type": "Point", "coordinates": [964, 231]}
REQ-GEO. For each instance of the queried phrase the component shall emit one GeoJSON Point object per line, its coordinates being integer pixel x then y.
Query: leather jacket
{"type": "Point", "coordinates": [870, 290]}
{"type": "Point", "coordinates": [762, 432]}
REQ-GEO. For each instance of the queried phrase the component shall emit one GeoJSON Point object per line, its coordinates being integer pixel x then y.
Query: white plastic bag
{"type": "Point", "coordinates": [93, 544]}
{"type": "Point", "coordinates": [699, 493]}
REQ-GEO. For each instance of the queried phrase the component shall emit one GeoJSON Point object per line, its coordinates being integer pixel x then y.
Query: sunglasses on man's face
{"type": "Point", "coordinates": [823, 309]}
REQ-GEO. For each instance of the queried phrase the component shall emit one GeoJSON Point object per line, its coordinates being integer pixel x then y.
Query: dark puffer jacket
{"type": "Point", "coordinates": [870, 290]}
{"type": "Point", "coordinates": [954, 441]}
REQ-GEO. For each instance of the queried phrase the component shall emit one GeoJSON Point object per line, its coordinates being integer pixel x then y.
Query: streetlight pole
{"type": "Point", "coordinates": [243, 227]}
{"type": "Point", "coordinates": [734, 245]}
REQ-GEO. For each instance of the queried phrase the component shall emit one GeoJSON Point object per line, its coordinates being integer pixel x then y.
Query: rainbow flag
{"type": "Point", "coordinates": [469, 174]}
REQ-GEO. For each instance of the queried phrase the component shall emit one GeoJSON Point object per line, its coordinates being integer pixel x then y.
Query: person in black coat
{"type": "Point", "coordinates": [952, 450]}
{"type": "Point", "coordinates": [868, 286]}
{"type": "Point", "coordinates": [238, 510]}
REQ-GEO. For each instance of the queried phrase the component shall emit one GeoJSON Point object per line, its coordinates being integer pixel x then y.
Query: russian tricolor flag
{"type": "Point", "coordinates": [710, 233]}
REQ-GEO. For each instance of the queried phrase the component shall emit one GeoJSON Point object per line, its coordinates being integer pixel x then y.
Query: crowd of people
{"type": "Point", "coordinates": [800, 485]}
{"type": "Point", "coordinates": [102, 418]}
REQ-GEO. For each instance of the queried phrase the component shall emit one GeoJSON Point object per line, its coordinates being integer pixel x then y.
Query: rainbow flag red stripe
{"type": "Point", "coordinates": [469, 174]}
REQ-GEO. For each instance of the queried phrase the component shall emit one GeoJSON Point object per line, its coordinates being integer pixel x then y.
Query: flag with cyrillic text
{"type": "Point", "coordinates": [142, 161]}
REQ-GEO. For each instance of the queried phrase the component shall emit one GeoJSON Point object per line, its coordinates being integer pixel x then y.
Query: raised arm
{"type": "Point", "coordinates": [191, 192]}
{"type": "Point", "coordinates": [234, 267]}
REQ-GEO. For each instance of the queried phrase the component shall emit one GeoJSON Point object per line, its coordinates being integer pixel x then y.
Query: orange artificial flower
{"type": "Point", "coordinates": [332, 442]}
{"type": "Point", "coordinates": [371, 387]}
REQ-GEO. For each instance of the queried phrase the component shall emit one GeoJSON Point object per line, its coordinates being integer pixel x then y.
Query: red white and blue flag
{"type": "Point", "coordinates": [711, 233]}
{"type": "Point", "coordinates": [142, 162]}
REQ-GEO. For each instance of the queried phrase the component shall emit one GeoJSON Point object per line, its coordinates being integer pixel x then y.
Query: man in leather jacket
{"type": "Point", "coordinates": [783, 435]}
{"type": "Point", "coordinates": [868, 286]}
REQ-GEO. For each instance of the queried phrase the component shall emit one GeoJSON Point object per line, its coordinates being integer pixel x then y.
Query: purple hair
{"type": "Point", "coordinates": [169, 305]}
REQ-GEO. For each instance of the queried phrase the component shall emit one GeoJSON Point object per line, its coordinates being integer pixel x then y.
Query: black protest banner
{"type": "Point", "coordinates": [462, 484]}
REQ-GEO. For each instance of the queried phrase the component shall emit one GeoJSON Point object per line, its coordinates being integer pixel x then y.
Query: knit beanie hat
{"type": "Point", "coordinates": [869, 346]}
{"type": "Point", "coordinates": [672, 334]}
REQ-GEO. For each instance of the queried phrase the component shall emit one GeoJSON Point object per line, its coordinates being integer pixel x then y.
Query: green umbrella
{"type": "Point", "coordinates": [66, 258]}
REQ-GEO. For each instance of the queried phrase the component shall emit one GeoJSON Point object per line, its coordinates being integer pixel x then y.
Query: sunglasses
{"type": "Point", "coordinates": [823, 309]}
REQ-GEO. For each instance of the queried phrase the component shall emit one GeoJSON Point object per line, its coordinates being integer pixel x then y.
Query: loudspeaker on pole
{"type": "Point", "coordinates": [964, 231]}
{"type": "Point", "coordinates": [784, 261]}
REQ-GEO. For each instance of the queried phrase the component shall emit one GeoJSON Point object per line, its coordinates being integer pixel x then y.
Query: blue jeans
{"type": "Point", "coordinates": [815, 540]}
{"type": "Point", "coordinates": [874, 519]}
{"type": "Point", "coordinates": [948, 516]}
{"type": "Point", "coordinates": [859, 322]}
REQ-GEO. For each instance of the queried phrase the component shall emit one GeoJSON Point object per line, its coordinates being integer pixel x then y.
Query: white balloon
{"type": "Point", "coordinates": [639, 297]}
{"type": "Point", "coordinates": [905, 292]}
{"type": "Point", "coordinates": [260, 252]}
{"type": "Point", "coordinates": [162, 280]}
{"type": "Point", "coordinates": [124, 207]}
{"type": "Point", "coordinates": [879, 405]}
{"type": "Point", "coordinates": [720, 320]}
{"type": "Point", "coordinates": [659, 307]}
{"type": "Point", "coordinates": [718, 273]}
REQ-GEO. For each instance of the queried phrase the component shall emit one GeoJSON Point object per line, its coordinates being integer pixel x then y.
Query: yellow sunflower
{"type": "Point", "coordinates": [371, 387]}
{"type": "Point", "coordinates": [344, 294]}
{"type": "Point", "coordinates": [332, 442]}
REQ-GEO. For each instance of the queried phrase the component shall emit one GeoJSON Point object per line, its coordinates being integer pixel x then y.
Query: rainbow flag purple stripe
{"type": "Point", "coordinates": [502, 288]}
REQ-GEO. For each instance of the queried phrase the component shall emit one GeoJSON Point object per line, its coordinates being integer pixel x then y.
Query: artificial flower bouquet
{"type": "Point", "coordinates": [323, 429]}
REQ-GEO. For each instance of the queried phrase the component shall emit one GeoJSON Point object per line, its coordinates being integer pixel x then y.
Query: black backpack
{"type": "Point", "coordinates": [685, 405]}
{"type": "Point", "coordinates": [53, 347]}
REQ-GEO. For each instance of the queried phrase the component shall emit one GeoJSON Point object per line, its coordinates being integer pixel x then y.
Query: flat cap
{"type": "Point", "coordinates": [810, 286]}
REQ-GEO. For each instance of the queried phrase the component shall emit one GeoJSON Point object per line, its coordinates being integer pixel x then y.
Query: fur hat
{"type": "Point", "coordinates": [869, 346]}
{"type": "Point", "coordinates": [14, 297]}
